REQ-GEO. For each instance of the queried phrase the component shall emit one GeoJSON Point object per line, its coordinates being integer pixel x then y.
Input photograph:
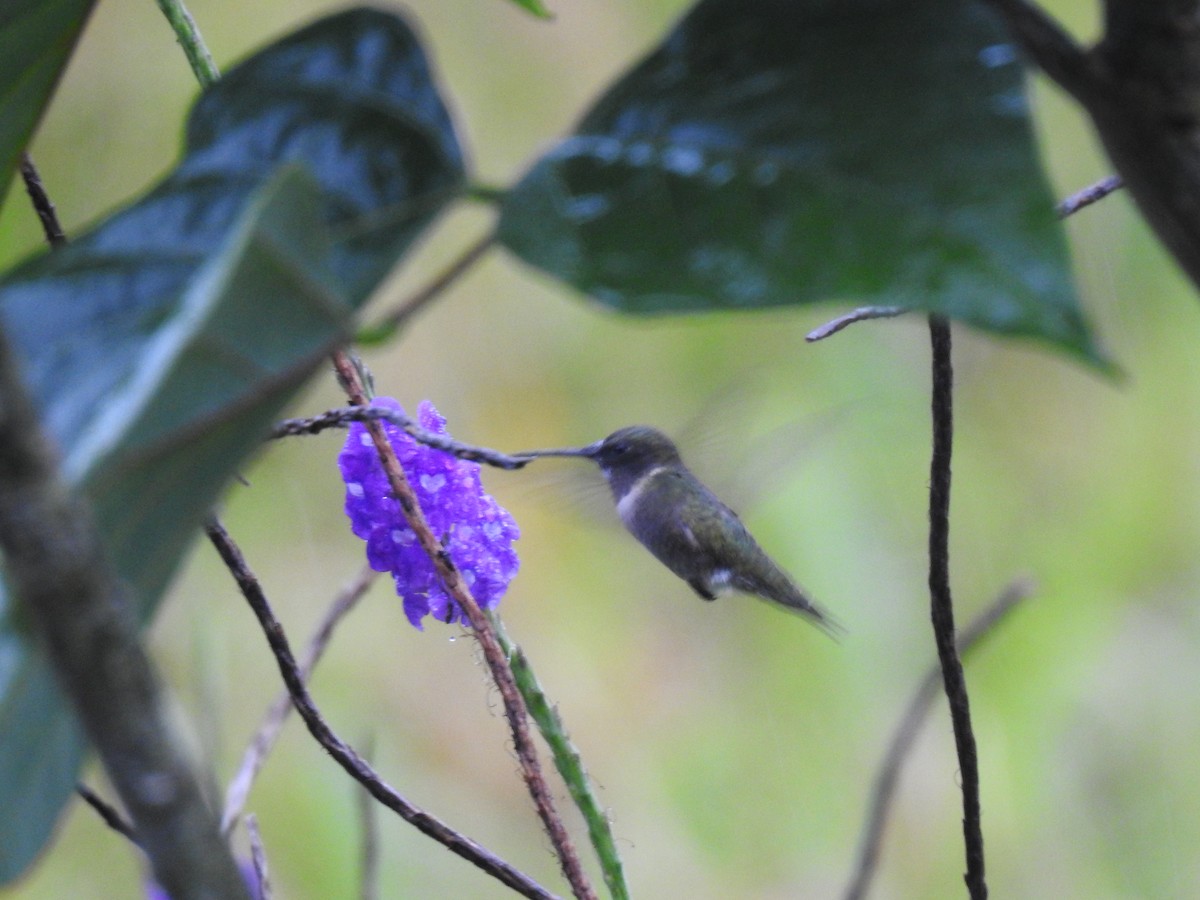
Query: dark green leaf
{"type": "Point", "coordinates": [162, 344]}
{"type": "Point", "coordinates": [792, 151]}
{"type": "Point", "coordinates": [36, 37]}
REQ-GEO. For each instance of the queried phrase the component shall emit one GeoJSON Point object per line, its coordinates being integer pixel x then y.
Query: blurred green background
{"type": "Point", "coordinates": [733, 744]}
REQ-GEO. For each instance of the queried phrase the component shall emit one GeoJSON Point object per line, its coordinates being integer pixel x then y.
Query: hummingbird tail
{"type": "Point", "coordinates": [785, 593]}
{"type": "Point", "coordinates": [801, 604]}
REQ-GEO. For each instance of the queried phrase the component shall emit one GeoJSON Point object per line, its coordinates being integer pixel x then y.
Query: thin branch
{"type": "Point", "coordinates": [906, 733]}
{"type": "Point", "coordinates": [189, 39]}
{"type": "Point", "coordinates": [368, 819]}
{"type": "Point", "coordinates": [1089, 195]}
{"type": "Point", "coordinates": [1047, 45]}
{"type": "Point", "coordinates": [1067, 207]}
{"type": "Point", "coordinates": [343, 754]}
{"type": "Point", "coordinates": [258, 857]}
{"type": "Point", "coordinates": [941, 602]}
{"type": "Point", "coordinates": [862, 314]}
{"type": "Point", "coordinates": [342, 417]}
{"type": "Point", "coordinates": [272, 723]}
{"type": "Point", "coordinates": [112, 818]}
{"type": "Point", "coordinates": [568, 762]}
{"type": "Point", "coordinates": [481, 628]}
{"type": "Point", "coordinates": [42, 204]}
{"type": "Point", "coordinates": [400, 316]}
{"type": "Point", "coordinates": [60, 576]}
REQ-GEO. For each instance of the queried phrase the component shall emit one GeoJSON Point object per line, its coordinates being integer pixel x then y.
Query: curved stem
{"type": "Point", "coordinates": [342, 753]}
{"type": "Point", "coordinates": [941, 603]}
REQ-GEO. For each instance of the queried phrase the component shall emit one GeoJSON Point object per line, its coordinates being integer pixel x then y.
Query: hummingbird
{"type": "Point", "coordinates": [685, 525]}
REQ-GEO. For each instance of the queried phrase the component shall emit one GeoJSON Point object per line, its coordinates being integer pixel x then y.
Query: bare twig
{"type": "Point", "coordinates": [342, 417]}
{"type": "Point", "coordinates": [369, 854]}
{"type": "Point", "coordinates": [862, 314]}
{"type": "Point", "coordinates": [1069, 206]}
{"type": "Point", "coordinates": [343, 754]}
{"type": "Point", "coordinates": [1045, 43]}
{"type": "Point", "coordinates": [481, 628]}
{"type": "Point", "coordinates": [112, 818]}
{"type": "Point", "coordinates": [941, 603]}
{"type": "Point", "coordinates": [399, 317]}
{"type": "Point", "coordinates": [906, 732]}
{"type": "Point", "coordinates": [277, 713]}
{"type": "Point", "coordinates": [1089, 195]}
{"type": "Point", "coordinates": [258, 857]}
{"type": "Point", "coordinates": [42, 204]}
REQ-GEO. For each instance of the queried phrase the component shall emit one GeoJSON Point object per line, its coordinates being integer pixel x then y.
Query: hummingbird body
{"type": "Point", "coordinates": [686, 526]}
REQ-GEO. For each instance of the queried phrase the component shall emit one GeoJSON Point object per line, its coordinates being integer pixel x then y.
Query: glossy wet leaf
{"type": "Point", "coordinates": [795, 151]}
{"type": "Point", "coordinates": [163, 343]}
{"type": "Point", "coordinates": [36, 39]}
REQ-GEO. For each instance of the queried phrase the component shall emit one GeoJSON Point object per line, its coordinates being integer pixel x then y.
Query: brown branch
{"type": "Point", "coordinates": [905, 734]}
{"type": "Point", "coordinates": [942, 605]}
{"type": "Point", "coordinates": [481, 628]}
{"type": "Point", "coordinates": [1047, 45]}
{"type": "Point", "coordinates": [59, 574]}
{"type": "Point", "coordinates": [272, 723]}
{"type": "Point", "coordinates": [343, 754]}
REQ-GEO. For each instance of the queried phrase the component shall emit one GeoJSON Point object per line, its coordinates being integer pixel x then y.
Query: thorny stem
{"type": "Point", "coordinates": [941, 603]}
{"type": "Point", "coordinates": [343, 754]}
{"type": "Point", "coordinates": [481, 628]}
{"type": "Point", "coordinates": [568, 762]}
{"type": "Point", "coordinates": [189, 39]}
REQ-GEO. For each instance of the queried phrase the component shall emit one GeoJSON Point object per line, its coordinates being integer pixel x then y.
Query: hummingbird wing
{"type": "Point", "coordinates": [738, 562]}
{"type": "Point", "coordinates": [705, 543]}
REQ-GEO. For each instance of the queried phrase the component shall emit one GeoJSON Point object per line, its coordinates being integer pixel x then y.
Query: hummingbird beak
{"type": "Point", "coordinates": [587, 452]}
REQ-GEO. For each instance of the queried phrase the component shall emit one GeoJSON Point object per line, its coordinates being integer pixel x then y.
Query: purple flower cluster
{"type": "Point", "coordinates": [477, 532]}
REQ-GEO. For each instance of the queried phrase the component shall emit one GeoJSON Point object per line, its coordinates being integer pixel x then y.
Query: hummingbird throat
{"type": "Point", "coordinates": [627, 502]}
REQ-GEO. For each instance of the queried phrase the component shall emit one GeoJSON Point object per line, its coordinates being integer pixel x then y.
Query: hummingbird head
{"type": "Point", "coordinates": [625, 456]}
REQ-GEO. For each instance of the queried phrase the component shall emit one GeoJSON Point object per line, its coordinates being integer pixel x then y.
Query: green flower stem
{"type": "Point", "coordinates": [566, 760]}
{"type": "Point", "coordinates": [189, 38]}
